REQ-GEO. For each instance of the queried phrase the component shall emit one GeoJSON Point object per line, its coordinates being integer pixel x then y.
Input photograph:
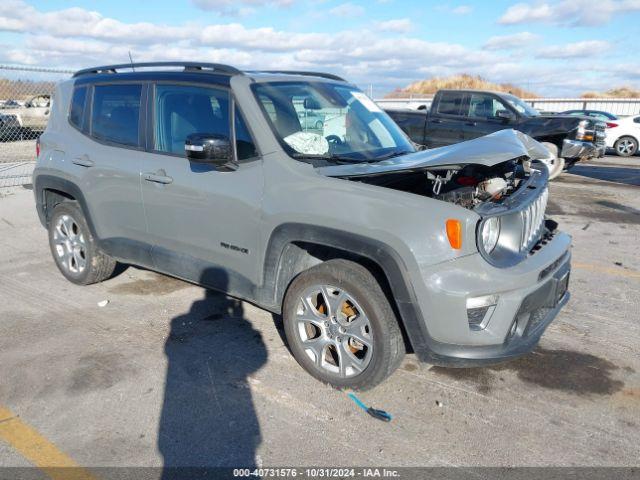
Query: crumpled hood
{"type": "Point", "coordinates": [489, 150]}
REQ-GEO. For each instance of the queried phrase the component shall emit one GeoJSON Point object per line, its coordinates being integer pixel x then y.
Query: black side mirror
{"type": "Point", "coordinates": [209, 148]}
{"type": "Point", "coordinates": [505, 115]}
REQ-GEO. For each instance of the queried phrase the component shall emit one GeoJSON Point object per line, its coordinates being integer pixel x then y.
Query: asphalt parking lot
{"type": "Point", "coordinates": [170, 374]}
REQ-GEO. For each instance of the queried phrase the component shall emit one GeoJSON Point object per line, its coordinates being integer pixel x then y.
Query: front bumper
{"type": "Point", "coordinates": [530, 295]}
{"type": "Point", "coordinates": [578, 150]}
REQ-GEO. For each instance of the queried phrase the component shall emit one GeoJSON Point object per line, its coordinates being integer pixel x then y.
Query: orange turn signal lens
{"type": "Point", "coordinates": [454, 233]}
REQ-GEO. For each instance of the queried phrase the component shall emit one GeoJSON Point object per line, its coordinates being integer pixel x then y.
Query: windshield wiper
{"type": "Point", "coordinates": [331, 158]}
{"type": "Point", "coordinates": [392, 155]}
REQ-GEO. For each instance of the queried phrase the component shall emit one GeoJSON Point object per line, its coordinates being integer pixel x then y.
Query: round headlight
{"type": "Point", "coordinates": [490, 233]}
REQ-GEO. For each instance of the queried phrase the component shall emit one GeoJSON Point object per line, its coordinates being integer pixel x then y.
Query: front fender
{"type": "Point", "coordinates": [276, 279]}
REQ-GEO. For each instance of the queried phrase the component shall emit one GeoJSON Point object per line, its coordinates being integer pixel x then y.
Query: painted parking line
{"type": "Point", "coordinates": [38, 450]}
{"type": "Point", "coordinates": [617, 272]}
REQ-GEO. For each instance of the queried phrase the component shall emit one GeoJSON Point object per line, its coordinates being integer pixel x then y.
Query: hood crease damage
{"type": "Point", "coordinates": [470, 173]}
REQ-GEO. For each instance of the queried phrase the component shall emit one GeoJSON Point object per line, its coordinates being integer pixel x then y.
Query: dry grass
{"type": "Point", "coordinates": [619, 92]}
{"type": "Point", "coordinates": [24, 89]}
{"type": "Point", "coordinates": [431, 86]}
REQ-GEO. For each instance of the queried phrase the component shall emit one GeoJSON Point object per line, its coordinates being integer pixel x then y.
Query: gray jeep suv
{"type": "Point", "coordinates": [365, 246]}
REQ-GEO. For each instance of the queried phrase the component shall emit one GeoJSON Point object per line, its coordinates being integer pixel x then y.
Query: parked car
{"type": "Point", "coordinates": [458, 115]}
{"type": "Point", "coordinates": [599, 114]}
{"type": "Point", "coordinates": [33, 115]}
{"type": "Point", "coordinates": [10, 127]}
{"type": "Point", "coordinates": [624, 136]}
{"type": "Point", "coordinates": [311, 120]}
{"type": "Point", "coordinates": [365, 246]}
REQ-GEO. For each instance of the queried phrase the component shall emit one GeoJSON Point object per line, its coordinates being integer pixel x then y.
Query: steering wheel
{"type": "Point", "coordinates": [334, 140]}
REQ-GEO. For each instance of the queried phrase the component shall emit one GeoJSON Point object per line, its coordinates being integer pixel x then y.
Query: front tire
{"type": "Point", "coordinates": [74, 249]}
{"type": "Point", "coordinates": [626, 146]}
{"type": "Point", "coordinates": [340, 326]}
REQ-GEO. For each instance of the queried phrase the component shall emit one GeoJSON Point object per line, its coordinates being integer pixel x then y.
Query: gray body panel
{"type": "Point", "coordinates": [274, 201]}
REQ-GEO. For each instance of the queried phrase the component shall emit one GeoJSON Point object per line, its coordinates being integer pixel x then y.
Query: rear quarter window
{"type": "Point", "coordinates": [76, 110]}
{"type": "Point", "coordinates": [115, 114]}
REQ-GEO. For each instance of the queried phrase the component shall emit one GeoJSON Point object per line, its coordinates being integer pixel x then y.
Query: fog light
{"type": "Point", "coordinates": [479, 311]}
{"type": "Point", "coordinates": [514, 327]}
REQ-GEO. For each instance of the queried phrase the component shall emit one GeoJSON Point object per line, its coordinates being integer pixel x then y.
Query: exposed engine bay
{"type": "Point", "coordinates": [480, 171]}
{"type": "Point", "coordinates": [466, 186]}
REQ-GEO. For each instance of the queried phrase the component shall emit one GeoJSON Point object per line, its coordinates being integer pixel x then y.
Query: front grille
{"type": "Point", "coordinates": [533, 221]}
{"type": "Point", "coordinates": [600, 134]}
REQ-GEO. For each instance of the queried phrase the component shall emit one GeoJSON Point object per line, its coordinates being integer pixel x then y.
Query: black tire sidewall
{"type": "Point", "coordinates": [374, 303]}
{"type": "Point", "coordinates": [73, 210]}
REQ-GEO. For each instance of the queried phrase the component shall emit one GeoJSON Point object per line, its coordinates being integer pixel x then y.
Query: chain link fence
{"type": "Point", "coordinates": [25, 103]}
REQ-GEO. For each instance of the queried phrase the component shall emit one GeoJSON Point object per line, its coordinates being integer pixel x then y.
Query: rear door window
{"type": "Point", "coordinates": [451, 103]}
{"type": "Point", "coordinates": [116, 113]}
{"type": "Point", "coordinates": [76, 111]}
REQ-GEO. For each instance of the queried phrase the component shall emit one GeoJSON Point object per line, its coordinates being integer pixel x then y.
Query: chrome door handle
{"type": "Point", "coordinates": [157, 178]}
{"type": "Point", "coordinates": [472, 124]}
{"type": "Point", "coordinates": [83, 161]}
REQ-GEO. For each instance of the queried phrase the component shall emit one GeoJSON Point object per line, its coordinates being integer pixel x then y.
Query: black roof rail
{"type": "Point", "coordinates": [330, 76]}
{"type": "Point", "coordinates": [188, 66]}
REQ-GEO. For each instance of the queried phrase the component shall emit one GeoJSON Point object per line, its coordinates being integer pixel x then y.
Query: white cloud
{"type": "Point", "coordinates": [462, 10]}
{"type": "Point", "coordinates": [568, 12]}
{"type": "Point", "coordinates": [347, 10]}
{"type": "Point", "coordinates": [397, 25]}
{"type": "Point", "coordinates": [587, 48]}
{"type": "Point", "coordinates": [76, 37]}
{"type": "Point", "coordinates": [238, 7]}
{"type": "Point", "coordinates": [508, 42]}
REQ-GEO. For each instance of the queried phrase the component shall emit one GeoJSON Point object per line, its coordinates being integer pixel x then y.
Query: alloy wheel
{"type": "Point", "coordinates": [70, 245]}
{"type": "Point", "coordinates": [334, 330]}
{"type": "Point", "coordinates": [625, 146]}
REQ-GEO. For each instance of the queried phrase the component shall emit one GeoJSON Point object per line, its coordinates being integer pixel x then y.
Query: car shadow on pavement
{"type": "Point", "coordinates": [208, 417]}
{"type": "Point", "coordinates": [627, 176]}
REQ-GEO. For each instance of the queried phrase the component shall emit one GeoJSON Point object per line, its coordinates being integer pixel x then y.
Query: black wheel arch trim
{"type": "Point", "coordinates": [275, 283]}
{"type": "Point", "coordinates": [50, 182]}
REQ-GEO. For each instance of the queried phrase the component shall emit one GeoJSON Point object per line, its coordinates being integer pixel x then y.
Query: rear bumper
{"type": "Point", "coordinates": [577, 150]}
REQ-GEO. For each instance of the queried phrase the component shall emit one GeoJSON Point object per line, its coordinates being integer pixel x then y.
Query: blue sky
{"type": "Point", "coordinates": [559, 48]}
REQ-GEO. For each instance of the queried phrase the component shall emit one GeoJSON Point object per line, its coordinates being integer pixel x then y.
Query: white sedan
{"type": "Point", "coordinates": [625, 136]}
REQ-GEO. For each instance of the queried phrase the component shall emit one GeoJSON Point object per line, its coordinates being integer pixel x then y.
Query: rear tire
{"type": "Point", "coordinates": [340, 326]}
{"type": "Point", "coordinates": [74, 249]}
{"type": "Point", "coordinates": [555, 166]}
{"type": "Point", "coordinates": [626, 146]}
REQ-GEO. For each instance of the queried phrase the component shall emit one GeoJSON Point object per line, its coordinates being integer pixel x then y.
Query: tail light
{"type": "Point", "coordinates": [611, 125]}
{"type": "Point", "coordinates": [37, 148]}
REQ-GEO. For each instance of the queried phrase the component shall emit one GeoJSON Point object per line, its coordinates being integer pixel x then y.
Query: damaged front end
{"type": "Point", "coordinates": [502, 177]}
{"type": "Point", "coordinates": [487, 169]}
